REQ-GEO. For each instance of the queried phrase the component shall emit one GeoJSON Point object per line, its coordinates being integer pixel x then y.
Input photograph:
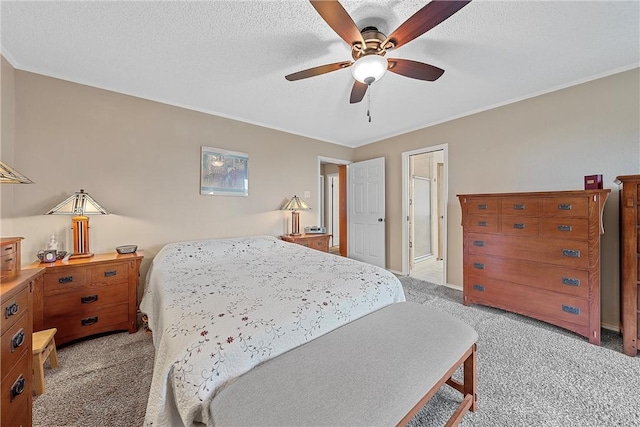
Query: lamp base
{"type": "Point", "coordinates": [79, 256]}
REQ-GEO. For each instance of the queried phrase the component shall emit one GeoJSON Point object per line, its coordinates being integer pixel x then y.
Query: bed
{"type": "Point", "coordinates": [220, 307]}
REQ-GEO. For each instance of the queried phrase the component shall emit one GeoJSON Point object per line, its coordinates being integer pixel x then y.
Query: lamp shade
{"type": "Point", "coordinates": [79, 203]}
{"type": "Point", "coordinates": [295, 204]}
{"type": "Point", "coordinates": [9, 175]}
{"type": "Point", "coordinates": [369, 68]}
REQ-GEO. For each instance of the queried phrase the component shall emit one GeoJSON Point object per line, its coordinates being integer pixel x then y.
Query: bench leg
{"type": "Point", "coordinates": [470, 379]}
{"type": "Point", "coordinates": [53, 356]}
{"type": "Point", "coordinates": [38, 374]}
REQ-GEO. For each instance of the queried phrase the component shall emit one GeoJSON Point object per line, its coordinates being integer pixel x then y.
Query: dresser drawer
{"type": "Point", "coordinates": [565, 207]}
{"type": "Point", "coordinates": [64, 279]}
{"type": "Point", "coordinates": [16, 389]}
{"type": "Point", "coordinates": [519, 226]}
{"type": "Point", "coordinates": [544, 276]}
{"type": "Point", "coordinates": [565, 228]}
{"type": "Point", "coordinates": [482, 206]}
{"type": "Point", "coordinates": [571, 253]}
{"type": "Point", "coordinates": [541, 304]}
{"type": "Point", "coordinates": [86, 299]}
{"type": "Point", "coordinates": [109, 274]}
{"type": "Point", "coordinates": [20, 415]}
{"type": "Point", "coordinates": [8, 265]}
{"type": "Point", "coordinates": [522, 206]}
{"type": "Point", "coordinates": [77, 325]}
{"type": "Point", "coordinates": [15, 342]}
{"type": "Point", "coordinates": [14, 308]}
{"type": "Point", "coordinates": [483, 223]}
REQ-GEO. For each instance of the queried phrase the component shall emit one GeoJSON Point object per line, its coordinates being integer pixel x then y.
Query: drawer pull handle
{"type": "Point", "coordinates": [66, 279]}
{"type": "Point", "coordinates": [479, 243]}
{"type": "Point", "coordinates": [478, 287]}
{"type": "Point", "coordinates": [570, 281]}
{"type": "Point", "coordinates": [519, 206]}
{"type": "Point", "coordinates": [89, 321]}
{"type": "Point", "coordinates": [8, 260]}
{"type": "Point", "coordinates": [519, 225]}
{"type": "Point", "coordinates": [89, 299]}
{"type": "Point", "coordinates": [110, 273]}
{"type": "Point", "coordinates": [565, 228]}
{"type": "Point", "coordinates": [18, 387]}
{"type": "Point", "coordinates": [11, 310]}
{"type": "Point", "coordinates": [482, 207]}
{"type": "Point", "coordinates": [570, 309]}
{"type": "Point", "coordinates": [17, 340]}
{"type": "Point", "coordinates": [565, 206]}
{"type": "Point", "coordinates": [482, 223]}
{"type": "Point", "coordinates": [478, 265]}
{"type": "Point", "coordinates": [8, 248]}
{"type": "Point", "coordinates": [571, 253]}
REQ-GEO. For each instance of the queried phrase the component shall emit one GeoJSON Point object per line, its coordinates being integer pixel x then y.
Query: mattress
{"type": "Point", "coordinates": [219, 307]}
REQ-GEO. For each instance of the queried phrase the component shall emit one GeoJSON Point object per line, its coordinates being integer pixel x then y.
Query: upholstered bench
{"type": "Point", "coordinates": [377, 370]}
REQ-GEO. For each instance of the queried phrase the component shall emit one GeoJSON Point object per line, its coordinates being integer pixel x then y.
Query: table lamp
{"type": "Point", "coordinates": [9, 175]}
{"type": "Point", "coordinates": [295, 205]}
{"type": "Point", "coordinates": [80, 204]}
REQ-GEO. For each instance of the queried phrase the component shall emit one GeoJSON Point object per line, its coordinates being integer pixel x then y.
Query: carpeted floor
{"type": "Point", "coordinates": [529, 374]}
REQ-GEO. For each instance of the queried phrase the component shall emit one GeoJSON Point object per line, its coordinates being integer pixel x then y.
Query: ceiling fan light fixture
{"type": "Point", "coordinates": [369, 68]}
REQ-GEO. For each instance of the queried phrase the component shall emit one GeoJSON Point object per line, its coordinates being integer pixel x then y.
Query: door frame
{"type": "Point", "coordinates": [405, 205]}
{"type": "Point", "coordinates": [323, 159]}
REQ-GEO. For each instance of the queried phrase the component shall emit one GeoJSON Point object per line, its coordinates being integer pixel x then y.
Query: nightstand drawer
{"type": "Point", "coordinates": [77, 325]}
{"type": "Point", "coordinates": [109, 274]}
{"type": "Point", "coordinates": [15, 343]}
{"type": "Point", "coordinates": [64, 279]}
{"type": "Point", "coordinates": [86, 299]}
{"type": "Point", "coordinates": [14, 308]}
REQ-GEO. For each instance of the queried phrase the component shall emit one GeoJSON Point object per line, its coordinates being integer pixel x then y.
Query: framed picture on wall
{"type": "Point", "coordinates": [224, 172]}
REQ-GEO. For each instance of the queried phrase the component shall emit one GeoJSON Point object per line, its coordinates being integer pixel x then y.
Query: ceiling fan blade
{"type": "Point", "coordinates": [423, 20]}
{"type": "Point", "coordinates": [358, 91]}
{"type": "Point", "coordinates": [316, 71]}
{"type": "Point", "coordinates": [338, 19]}
{"type": "Point", "coordinates": [414, 69]}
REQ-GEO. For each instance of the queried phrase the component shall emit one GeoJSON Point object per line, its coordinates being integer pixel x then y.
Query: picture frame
{"type": "Point", "coordinates": [223, 172]}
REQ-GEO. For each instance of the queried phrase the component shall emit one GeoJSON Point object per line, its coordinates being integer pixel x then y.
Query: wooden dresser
{"type": "Point", "coordinates": [313, 241]}
{"type": "Point", "coordinates": [630, 263]}
{"type": "Point", "coordinates": [537, 254]}
{"type": "Point", "coordinates": [16, 299]}
{"type": "Point", "coordinates": [88, 296]}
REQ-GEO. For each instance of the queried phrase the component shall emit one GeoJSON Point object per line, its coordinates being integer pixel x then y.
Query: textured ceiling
{"type": "Point", "coordinates": [229, 58]}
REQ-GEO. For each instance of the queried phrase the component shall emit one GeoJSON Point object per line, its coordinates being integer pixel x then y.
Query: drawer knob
{"type": "Point", "coordinates": [564, 206]}
{"type": "Point", "coordinates": [570, 309]}
{"type": "Point", "coordinates": [478, 287]}
{"type": "Point", "coordinates": [565, 228]}
{"type": "Point", "coordinates": [18, 387]}
{"type": "Point", "coordinates": [65, 279]}
{"type": "Point", "coordinates": [518, 226]}
{"type": "Point", "coordinates": [110, 273]}
{"type": "Point", "coordinates": [89, 299]}
{"type": "Point", "coordinates": [570, 281]}
{"type": "Point", "coordinates": [519, 206]}
{"type": "Point", "coordinates": [479, 243]}
{"type": "Point", "coordinates": [11, 310]}
{"type": "Point", "coordinates": [17, 340]}
{"type": "Point", "coordinates": [571, 253]}
{"type": "Point", "coordinates": [478, 265]}
{"type": "Point", "coordinates": [89, 321]}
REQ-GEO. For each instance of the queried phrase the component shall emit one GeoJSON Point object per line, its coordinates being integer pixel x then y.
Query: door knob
{"type": "Point", "coordinates": [380, 219]}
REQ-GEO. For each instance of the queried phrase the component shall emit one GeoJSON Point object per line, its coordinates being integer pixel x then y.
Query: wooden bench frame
{"type": "Point", "coordinates": [468, 388]}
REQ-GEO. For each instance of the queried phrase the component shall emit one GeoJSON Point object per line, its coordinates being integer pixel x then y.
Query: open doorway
{"type": "Point", "coordinates": [424, 204]}
{"type": "Point", "coordinates": [332, 202]}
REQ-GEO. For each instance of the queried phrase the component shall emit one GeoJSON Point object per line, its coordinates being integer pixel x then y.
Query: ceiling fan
{"type": "Point", "coordinates": [369, 46]}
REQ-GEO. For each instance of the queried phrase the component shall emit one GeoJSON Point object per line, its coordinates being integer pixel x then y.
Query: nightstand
{"type": "Point", "coordinates": [87, 296]}
{"type": "Point", "coordinates": [313, 241]}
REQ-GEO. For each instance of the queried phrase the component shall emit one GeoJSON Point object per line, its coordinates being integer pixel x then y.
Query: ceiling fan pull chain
{"type": "Point", "coordinates": [369, 103]}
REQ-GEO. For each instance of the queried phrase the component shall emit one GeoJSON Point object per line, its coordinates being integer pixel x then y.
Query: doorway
{"type": "Point", "coordinates": [424, 207]}
{"type": "Point", "coordinates": [332, 212]}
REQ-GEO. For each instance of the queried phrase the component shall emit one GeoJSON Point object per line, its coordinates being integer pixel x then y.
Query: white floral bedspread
{"type": "Point", "coordinates": [219, 307]}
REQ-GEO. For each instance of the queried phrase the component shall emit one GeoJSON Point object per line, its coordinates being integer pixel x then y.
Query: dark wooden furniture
{"type": "Point", "coordinates": [88, 296]}
{"type": "Point", "coordinates": [537, 254]}
{"type": "Point", "coordinates": [313, 241]}
{"type": "Point", "coordinates": [630, 263]}
{"type": "Point", "coordinates": [16, 298]}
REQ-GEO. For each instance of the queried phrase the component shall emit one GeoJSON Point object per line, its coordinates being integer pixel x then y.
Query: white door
{"type": "Point", "coordinates": [366, 215]}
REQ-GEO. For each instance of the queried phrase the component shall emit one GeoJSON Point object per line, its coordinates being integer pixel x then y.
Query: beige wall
{"type": "Point", "coordinates": [7, 110]}
{"type": "Point", "coordinates": [544, 143]}
{"type": "Point", "coordinates": [140, 160]}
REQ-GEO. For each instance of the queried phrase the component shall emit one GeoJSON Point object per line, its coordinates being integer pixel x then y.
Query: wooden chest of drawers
{"type": "Point", "coordinates": [313, 241]}
{"type": "Point", "coordinates": [88, 296]}
{"type": "Point", "coordinates": [9, 257]}
{"type": "Point", "coordinates": [630, 263]}
{"type": "Point", "coordinates": [537, 254]}
{"type": "Point", "coordinates": [16, 298]}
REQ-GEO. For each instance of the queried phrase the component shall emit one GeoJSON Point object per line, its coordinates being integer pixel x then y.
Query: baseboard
{"type": "Point", "coordinates": [610, 327]}
{"type": "Point", "coordinates": [397, 273]}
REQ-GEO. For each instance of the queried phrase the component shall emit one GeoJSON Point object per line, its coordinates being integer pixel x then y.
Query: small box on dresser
{"type": "Point", "coordinates": [630, 262]}
{"type": "Point", "coordinates": [536, 254]}
{"type": "Point", "coordinates": [88, 296]}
